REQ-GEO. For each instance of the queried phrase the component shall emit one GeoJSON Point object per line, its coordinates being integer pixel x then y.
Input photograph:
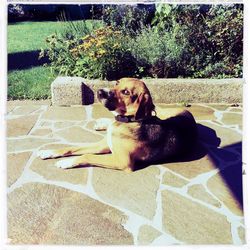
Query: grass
{"type": "Point", "coordinates": [27, 36]}
{"type": "Point", "coordinates": [33, 83]}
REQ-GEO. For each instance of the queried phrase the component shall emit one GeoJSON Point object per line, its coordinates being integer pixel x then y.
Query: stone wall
{"type": "Point", "coordinates": [68, 91]}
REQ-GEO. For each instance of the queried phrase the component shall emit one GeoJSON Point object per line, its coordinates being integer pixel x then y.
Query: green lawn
{"type": "Point", "coordinates": [31, 83]}
{"type": "Point", "coordinates": [27, 36]}
{"type": "Point", "coordinates": [34, 83]}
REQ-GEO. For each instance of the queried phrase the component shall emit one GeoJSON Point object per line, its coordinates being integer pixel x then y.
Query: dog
{"type": "Point", "coordinates": [137, 137]}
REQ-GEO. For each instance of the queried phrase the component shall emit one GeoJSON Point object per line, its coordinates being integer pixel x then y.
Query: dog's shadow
{"type": "Point", "coordinates": [206, 136]}
{"type": "Point", "coordinates": [209, 142]}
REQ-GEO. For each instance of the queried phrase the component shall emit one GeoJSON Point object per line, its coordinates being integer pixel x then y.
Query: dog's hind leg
{"type": "Point", "coordinates": [100, 147]}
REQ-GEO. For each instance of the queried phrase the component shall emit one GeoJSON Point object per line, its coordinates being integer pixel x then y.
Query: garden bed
{"type": "Point", "coordinates": [166, 41]}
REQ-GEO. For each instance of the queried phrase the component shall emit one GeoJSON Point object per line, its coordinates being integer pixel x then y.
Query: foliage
{"type": "Point", "coordinates": [15, 10]}
{"type": "Point", "coordinates": [214, 35]}
{"type": "Point", "coordinates": [76, 29]}
{"type": "Point", "coordinates": [157, 52]}
{"type": "Point", "coordinates": [180, 41]}
{"type": "Point", "coordinates": [225, 36]}
{"type": "Point", "coordinates": [101, 54]}
{"type": "Point", "coordinates": [128, 19]}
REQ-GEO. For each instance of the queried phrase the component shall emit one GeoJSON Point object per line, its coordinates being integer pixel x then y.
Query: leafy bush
{"type": "Point", "coordinates": [214, 35]}
{"type": "Point", "coordinates": [180, 41]}
{"type": "Point", "coordinates": [15, 10]}
{"type": "Point", "coordinates": [102, 54]}
{"type": "Point", "coordinates": [77, 29]}
{"type": "Point", "coordinates": [126, 18]}
{"type": "Point", "coordinates": [225, 36]}
{"type": "Point", "coordinates": [157, 53]}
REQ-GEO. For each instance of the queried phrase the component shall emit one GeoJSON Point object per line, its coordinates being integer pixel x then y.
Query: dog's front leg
{"type": "Point", "coordinates": [100, 147]}
{"type": "Point", "coordinates": [105, 161]}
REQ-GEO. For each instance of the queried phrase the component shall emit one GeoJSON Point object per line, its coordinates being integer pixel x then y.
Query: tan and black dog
{"type": "Point", "coordinates": [136, 138]}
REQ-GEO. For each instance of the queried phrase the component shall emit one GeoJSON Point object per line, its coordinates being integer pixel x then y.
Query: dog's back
{"type": "Point", "coordinates": [169, 138]}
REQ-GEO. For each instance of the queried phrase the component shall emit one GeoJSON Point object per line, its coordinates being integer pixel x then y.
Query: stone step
{"type": "Point", "coordinates": [67, 91]}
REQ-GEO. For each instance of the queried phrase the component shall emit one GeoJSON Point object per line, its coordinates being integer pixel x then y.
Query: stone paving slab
{"type": "Point", "coordinates": [197, 200]}
{"type": "Point", "coordinates": [63, 216]}
{"type": "Point", "coordinates": [192, 222]}
{"type": "Point", "coordinates": [20, 126]}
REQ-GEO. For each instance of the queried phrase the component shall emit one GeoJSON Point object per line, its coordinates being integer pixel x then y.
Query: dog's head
{"type": "Point", "coordinates": [129, 97]}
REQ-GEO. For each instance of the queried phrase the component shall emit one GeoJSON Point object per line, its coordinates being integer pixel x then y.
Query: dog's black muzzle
{"type": "Point", "coordinates": [107, 98]}
{"type": "Point", "coordinates": [105, 94]}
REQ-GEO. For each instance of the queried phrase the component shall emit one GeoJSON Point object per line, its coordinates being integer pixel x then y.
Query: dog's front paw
{"type": "Point", "coordinates": [45, 154]}
{"type": "Point", "coordinates": [102, 124]}
{"type": "Point", "coordinates": [68, 163]}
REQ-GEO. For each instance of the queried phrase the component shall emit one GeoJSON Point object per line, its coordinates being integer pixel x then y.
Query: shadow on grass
{"type": "Point", "coordinates": [25, 60]}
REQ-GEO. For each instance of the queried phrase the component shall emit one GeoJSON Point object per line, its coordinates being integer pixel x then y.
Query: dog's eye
{"type": "Point", "coordinates": [125, 92]}
{"type": "Point", "coordinates": [134, 97]}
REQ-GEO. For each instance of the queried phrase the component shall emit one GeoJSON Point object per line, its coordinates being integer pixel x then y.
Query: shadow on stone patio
{"type": "Point", "coordinates": [209, 144]}
{"type": "Point", "coordinates": [232, 178]}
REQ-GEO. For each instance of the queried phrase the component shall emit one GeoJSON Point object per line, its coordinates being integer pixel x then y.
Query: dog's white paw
{"type": "Point", "coordinates": [45, 154]}
{"type": "Point", "coordinates": [68, 163]}
{"type": "Point", "coordinates": [102, 124]}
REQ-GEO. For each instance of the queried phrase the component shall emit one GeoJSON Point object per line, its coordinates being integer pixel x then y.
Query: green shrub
{"type": "Point", "coordinates": [219, 70]}
{"type": "Point", "coordinates": [77, 29]}
{"type": "Point", "coordinates": [225, 36]}
{"type": "Point", "coordinates": [126, 18]}
{"type": "Point", "coordinates": [213, 34]}
{"type": "Point", "coordinates": [182, 41]}
{"type": "Point", "coordinates": [102, 54]}
{"type": "Point", "coordinates": [157, 52]}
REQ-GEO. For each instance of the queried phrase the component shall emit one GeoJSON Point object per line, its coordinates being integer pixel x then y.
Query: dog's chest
{"type": "Point", "coordinates": [109, 136]}
{"type": "Point", "coordinates": [120, 133]}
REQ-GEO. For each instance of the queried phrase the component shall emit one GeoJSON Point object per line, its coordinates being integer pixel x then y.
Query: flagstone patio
{"type": "Point", "coordinates": [195, 201]}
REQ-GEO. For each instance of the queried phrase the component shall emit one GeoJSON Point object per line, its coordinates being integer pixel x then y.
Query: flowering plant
{"type": "Point", "coordinates": [101, 54]}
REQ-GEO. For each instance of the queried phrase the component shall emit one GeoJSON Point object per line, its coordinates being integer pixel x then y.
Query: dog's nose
{"type": "Point", "coordinates": [104, 93]}
{"type": "Point", "coordinates": [101, 94]}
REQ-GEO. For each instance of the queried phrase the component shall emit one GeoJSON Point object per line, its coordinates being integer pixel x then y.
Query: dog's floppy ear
{"type": "Point", "coordinates": [145, 106]}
